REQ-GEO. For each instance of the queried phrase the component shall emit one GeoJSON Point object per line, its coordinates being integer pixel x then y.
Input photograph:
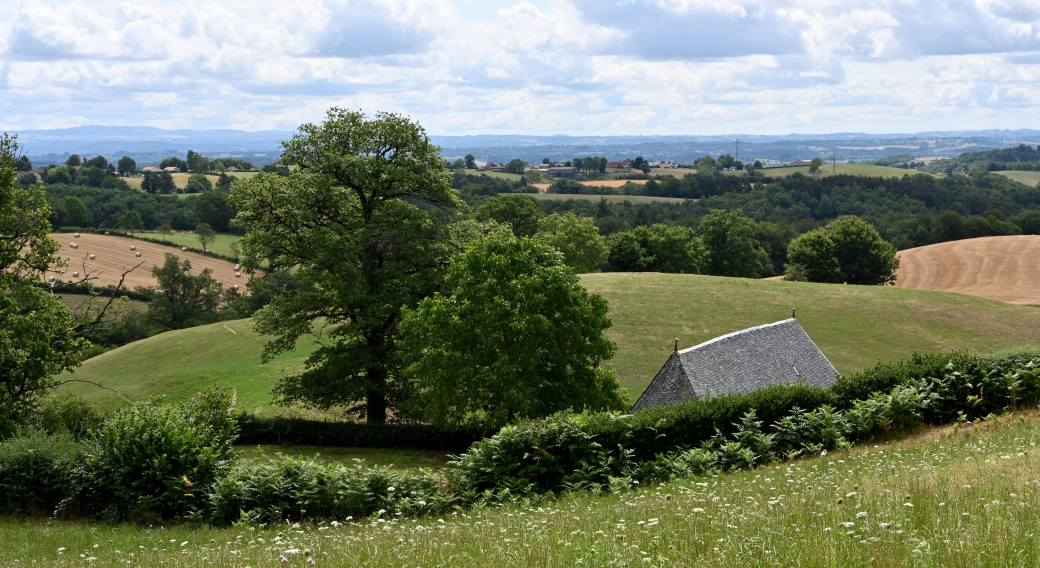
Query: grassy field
{"type": "Point", "coordinates": [609, 198]}
{"type": "Point", "coordinates": [398, 459]}
{"type": "Point", "coordinates": [179, 179]}
{"type": "Point", "coordinates": [960, 496]}
{"type": "Point", "coordinates": [220, 246]}
{"type": "Point", "coordinates": [854, 326]}
{"type": "Point", "coordinates": [848, 169]}
{"type": "Point", "coordinates": [1027, 178]}
{"type": "Point", "coordinates": [181, 363]}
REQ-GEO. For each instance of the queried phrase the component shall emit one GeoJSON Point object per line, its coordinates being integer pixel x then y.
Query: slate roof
{"type": "Point", "coordinates": [744, 361]}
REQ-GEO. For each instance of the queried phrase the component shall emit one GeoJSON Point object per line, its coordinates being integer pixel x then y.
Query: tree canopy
{"type": "Point", "coordinates": [731, 243]}
{"type": "Point", "coordinates": [514, 335]}
{"type": "Point", "coordinates": [184, 299]}
{"type": "Point", "coordinates": [346, 227]}
{"type": "Point", "coordinates": [577, 238]}
{"type": "Point", "coordinates": [848, 250]}
{"type": "Point", "coordinates": [520, 212]}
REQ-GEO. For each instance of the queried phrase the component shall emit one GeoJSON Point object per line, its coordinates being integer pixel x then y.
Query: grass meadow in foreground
{"type": "Point", "coordinates": [966, 495]}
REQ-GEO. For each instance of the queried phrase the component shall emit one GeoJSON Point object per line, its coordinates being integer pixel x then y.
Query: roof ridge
{"type": "Point", "coordinates": [728, 335]}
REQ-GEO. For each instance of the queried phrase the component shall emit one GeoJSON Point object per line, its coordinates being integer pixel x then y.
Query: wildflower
{"type": "Point", "coordinates": [311, 560]}
{"type": "Point", "coordinates": [698, 510]}
{"type": "Point", "coordinates": [823, 453]}
{"type": "Point", "coordinates": [185, 543]}
{"type": "Point", "coordinates": [284, 559]}
{"type": "Point", "coordinates": [391, 489]}
{"type": "Point", "coordinates": [861, 514]}
{"type": "Point", "coordinates": [908, 504]}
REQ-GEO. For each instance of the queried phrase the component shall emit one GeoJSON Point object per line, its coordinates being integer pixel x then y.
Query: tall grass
{"type": "Point", "coordinates": [966, 495]}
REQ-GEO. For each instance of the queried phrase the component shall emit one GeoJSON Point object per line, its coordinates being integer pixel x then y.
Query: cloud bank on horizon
{"type": "Point", "coordinates": [539, 67]}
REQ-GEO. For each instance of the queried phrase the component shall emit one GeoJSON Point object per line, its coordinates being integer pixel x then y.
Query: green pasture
{"type": "Point", "coordinates": [1023, 177]}
{"type": "Point", "coordinates": [186, 239]}
{"type": "Point", "coordinates": [961, 496]}
{"type": "Point", "coordinates": [855, 326]}
{"type": "Point", "coordinates": [596, 198]}
{"type": "Point", "coordinates": [181, 363]}
{"type": "Point", "coordinates": [839, 169]}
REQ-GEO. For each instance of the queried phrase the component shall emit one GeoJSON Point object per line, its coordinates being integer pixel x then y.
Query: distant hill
{"type": "Point", "coordinates": [991, 160]}
{"type": "Point", "coordinates": [855, 326]}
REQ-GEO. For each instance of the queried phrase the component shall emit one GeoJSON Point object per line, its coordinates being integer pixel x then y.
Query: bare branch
{"type": "Point", "coordinates": [98, 385]}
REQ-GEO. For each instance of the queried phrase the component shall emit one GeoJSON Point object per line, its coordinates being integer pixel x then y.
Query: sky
{"type": "Point", "coordinates": [581, 67]}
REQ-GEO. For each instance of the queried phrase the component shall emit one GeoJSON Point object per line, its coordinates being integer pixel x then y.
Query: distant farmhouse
{"type": "Point", "coordinates": [773, 354]}
{"type": "Point", "coordinates": [561, 171]}
{"type": "Point", "coordinates": [801, 163]}
{"type": "Point", "coordinates": [151, 169]}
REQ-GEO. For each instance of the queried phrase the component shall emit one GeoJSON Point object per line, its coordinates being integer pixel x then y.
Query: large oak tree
{"type": "Point", "coordinates": [353, 230]}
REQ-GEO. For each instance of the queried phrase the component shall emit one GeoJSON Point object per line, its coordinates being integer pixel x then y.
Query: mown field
{"type": "Point", "coordinates": [187, 239]}
{"type": "Point", "coordinates": [1027, 178]}
{"type": "Point", "coordinates": [839, 169]}
{"type": "Point", "coordinates": [967, 495]}
{"type": "Point", "coordinates": [855, 326]}
{"type": "Point", "coordinates": [609, 198]}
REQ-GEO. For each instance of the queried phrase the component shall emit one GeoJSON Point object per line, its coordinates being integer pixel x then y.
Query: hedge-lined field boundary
{"type": "Point", "coordinates": [118, 233]}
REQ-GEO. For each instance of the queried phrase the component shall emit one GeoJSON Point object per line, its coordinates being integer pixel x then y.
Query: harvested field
{"type": "Point", "coordinates": [598, 183]}
{"type": "Point", "coordinates": [1027, 178]}
{"type": "Point", "coordinates": [113, 255]}
{"type": "Point", "coordinates": [179, 179]}
{"type": "Point", "coordinates": [1006, 269]}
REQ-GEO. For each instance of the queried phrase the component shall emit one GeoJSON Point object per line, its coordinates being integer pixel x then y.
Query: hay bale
{"type": "Point", "coordinates": [75, 235]}
{"type": "Point", "coordinates": [138, 254]}
{"type": "Point", "coordinates": [75, 274]}
{"type": "Point", "coordinates": [91, 257]}
{"type": "Point", "coordinates": [238, 267]}
{"type": "Point", "coordinates": [238, 275]}
{"type": "Point", "coordinates": [106, 233]}
{"type": "Point", "coordinates": [184, 249]}
{"type": "Point", "coordinates": [236, 286]}
{"type": "Point", "coordinates": [73, 245]}
{"type": "Point", "coordinates": [51, 279]}
{"type": "Point", "coordinates": [132, 247]}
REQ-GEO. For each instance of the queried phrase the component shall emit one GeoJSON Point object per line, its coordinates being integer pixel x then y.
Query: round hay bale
{"type": "Point", "coordinates": [91, 257]}
{"type": "Point", "coordinates": [238, 275]}
{"type": "Point", "coordinates": [236, 286]}
{"type": "Point", "coordinates": [74, 245]}
{"type": "Point", "coordinates": [51, 279]}
{"type": "Point", "coordinates": [75, 235]}
{"type": "Point", "coordinates": [132, 247]}
{"type": "Point", "coordinates": [238, 267]}
{"type": "Point", "coordinates": [138, 254]}
{"type": "Point", "coordinates": [184, 249]}
{"type": "Point", "coordinates": [106, 233]}
{"type": "Point", "coordinates": [75, 274]}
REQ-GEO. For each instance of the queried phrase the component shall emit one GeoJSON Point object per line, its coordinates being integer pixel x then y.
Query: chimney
{"type": "Point", "coordinates": [675, 353]}
{"type": "Point", "coordinates": [792, 314]}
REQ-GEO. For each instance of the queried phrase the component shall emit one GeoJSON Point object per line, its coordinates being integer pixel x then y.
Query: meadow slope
{"type": "Point", "coordinates": [999, 268]}
{"type": "Point", "coordinates": [855, 326]}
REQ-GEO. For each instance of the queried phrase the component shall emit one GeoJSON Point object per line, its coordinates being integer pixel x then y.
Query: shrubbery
{"type": "Point", "coordinates": [161, 461]}
{"type": "Point", "coordinates": [156, 459]}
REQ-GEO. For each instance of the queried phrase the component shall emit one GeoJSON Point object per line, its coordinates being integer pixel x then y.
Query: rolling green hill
{"type": "Point", "coordinates": [1021, 176]}
{"type": "Point", "coordinates": [854, 326]}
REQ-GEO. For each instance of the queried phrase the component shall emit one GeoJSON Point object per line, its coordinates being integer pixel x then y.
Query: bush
{"type": "Point", "coordinates": [34, 471]}
{"type": "Point", "coordinates": [155, 459]}
{"type": "Point", "coordinates": [70, 414]}
{"type": "Point", "coordinates": [566, 450]}
{"type": "Point", "coordinates": [255, 430]}
{"type": "Point", "coordinates": [292, 489]}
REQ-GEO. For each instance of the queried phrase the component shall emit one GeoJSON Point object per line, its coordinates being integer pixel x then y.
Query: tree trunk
{"type": "Point", "coordinates": [375, 406]}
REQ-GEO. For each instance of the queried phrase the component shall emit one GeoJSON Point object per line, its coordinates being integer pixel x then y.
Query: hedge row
{"type": "Point", "coordinates": [255, 430]}
{"type": "Point", "coordinates": [140, 293]}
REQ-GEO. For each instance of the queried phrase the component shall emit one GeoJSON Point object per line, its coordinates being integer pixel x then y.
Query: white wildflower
{"type": "Point", "coordinates": [861, 514]}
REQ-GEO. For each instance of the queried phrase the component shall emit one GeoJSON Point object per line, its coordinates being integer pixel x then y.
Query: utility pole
{"type": "Point", "coordinates": [834, 168]}
{"type": "Point", "coordinates": [736, 150]}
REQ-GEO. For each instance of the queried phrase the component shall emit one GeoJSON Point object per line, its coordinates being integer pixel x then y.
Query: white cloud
{"type": "Point", "coordinates": [576, 66]}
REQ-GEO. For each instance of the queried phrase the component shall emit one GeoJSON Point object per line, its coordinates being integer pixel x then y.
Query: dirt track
{"type": "Point", "coordinates": [113, 255]}
{"type": "Point", "coordinates": [999, 268]}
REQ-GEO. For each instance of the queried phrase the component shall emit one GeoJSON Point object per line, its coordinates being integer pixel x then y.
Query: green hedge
{"type": "Point", "coordinates": [139, 293]}
{"type": "Point", "coordinates": [296, 431]}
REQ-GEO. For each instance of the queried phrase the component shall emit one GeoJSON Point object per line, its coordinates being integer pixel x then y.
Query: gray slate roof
{"type": "Point", "coordinates": [744, 361]}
